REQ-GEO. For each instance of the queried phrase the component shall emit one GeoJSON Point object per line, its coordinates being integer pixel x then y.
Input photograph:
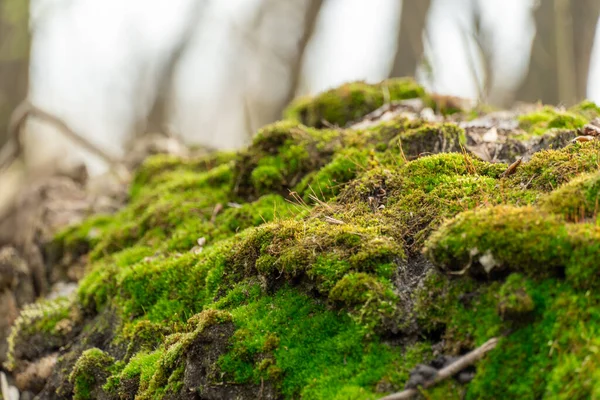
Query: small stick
{"type": "Point", "coordinates": [448, 371]}
{"type": "Point", "coordinates": [334, 221]}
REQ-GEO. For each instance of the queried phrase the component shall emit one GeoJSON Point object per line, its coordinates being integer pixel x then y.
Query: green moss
{"type": "Point", "coordinates": [350, 102]}
{"type": "Point", "coordinates": [515, 302]}
{"type": "Point", "coordinates": [376, 298]}
{"type": "Point", "coordinates": [89, 373]}
{"type": "Point", "coordinates": [499, 240]}
{"type": "Point", "coordinates": [161, 168]}
{"type": "Point", "coordinates": [489, 242]}
{"type": "Point", "coordinates": [327, 182]}
{"type": "Point", "coordinates": [295, 267]}
{"type": "Point", "coordinates": [548, 169]}
{"type": "Point", "coordinates": [161, 372]}
{"type": "Point", "coordinates": [317, 251]}
{"type": "Point", "coordinates": [280, 156]}
{"type": "Point", "coordinates": [311, 339]}
{"type": "Point", "coordinates": [539, 122]}
{"type": "Point", "coordinates": [47, 320]}
{"type": "Point", "coordinates": [587, 109]}
{"type": "Point", "coordinates": [446, 138]}
{"type": "Point", "coordinates": [142, 366]}
{"type": "Point", "coordinates": [577, 200]}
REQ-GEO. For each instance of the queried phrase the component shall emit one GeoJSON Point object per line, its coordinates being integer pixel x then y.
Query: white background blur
{"type": "Point", "coordinates": [92, 60]}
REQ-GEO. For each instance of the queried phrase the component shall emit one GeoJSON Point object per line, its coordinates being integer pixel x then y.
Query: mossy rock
{"type": "Point", "coordinates": [327, 262]}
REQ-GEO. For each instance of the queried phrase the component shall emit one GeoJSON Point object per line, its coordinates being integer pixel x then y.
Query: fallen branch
{"type": "Point", "coordinates": [14, 149]}
{"type": "Point", "coordinates": [448, 371]}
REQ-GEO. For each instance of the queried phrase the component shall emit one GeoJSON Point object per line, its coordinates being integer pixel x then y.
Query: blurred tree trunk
{"type": "Point", "coordinates": [278, 53]}
{"type": "Point", "coordinates": [313, 7]}
{"type": "Point", "coordinates": [561, 50]}
{"type": "Point", "coordinates": [489, 92]}
{"type": "Point", "coordinates": [541, 81]}
{"type": "Point", "coordinates": [585, 15]}
{"type": "Point", "coordinates": [409, 45]}
{"type": "Point", "coordinates": [14, 58]}
{"type": "Point", "coordinates": [160, 112]}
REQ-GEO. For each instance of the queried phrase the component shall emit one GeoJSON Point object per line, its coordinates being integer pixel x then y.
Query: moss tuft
{"type": "Point", "coordinates": [374, 298]}
{"type": "Point", "coordinates": [350, 102]}
{"type": "Point", "coordinates": [515, 302]}
{"type": "Point", "coordinates": [538, 122]}
{"type": "Point", "coordinates": [90, 373]}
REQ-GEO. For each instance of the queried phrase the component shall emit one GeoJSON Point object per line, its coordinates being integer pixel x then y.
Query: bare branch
{"type": "Point", "coordinates": [11, 152]}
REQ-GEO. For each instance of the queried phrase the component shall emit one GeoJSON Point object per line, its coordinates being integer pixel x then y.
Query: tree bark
{"type": "Point", "coordinates": [15, 42]}
{"type": "Point", "coordinates": [409, 44]}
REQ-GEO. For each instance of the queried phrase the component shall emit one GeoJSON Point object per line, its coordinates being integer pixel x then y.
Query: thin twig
{"type": "Point", "coordinates": [448, 371]}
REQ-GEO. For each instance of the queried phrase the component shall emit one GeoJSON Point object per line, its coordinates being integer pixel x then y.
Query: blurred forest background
{"type": "Point", "coordinates": [214, 71]}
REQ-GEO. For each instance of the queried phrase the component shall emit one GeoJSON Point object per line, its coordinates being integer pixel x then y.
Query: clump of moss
{"type": "Point", "coordinates": [540, 121]}
{"type": "Point", "coordinates": [548, 169]}
{"type": "Point", "coordinates": [515, 302]}
{"type": "Point", "coordinates": [493, 242]}
{"type": "Point", "coordinates": [161, 372]}
{"type": "Point", "coordinates": [281, 155]}
{"type": "Point", "coordinates": [482, 243]}
{"type": "Point", "coordinates": [431, 139]}
{"type": "Point", "coordinates": [376, 298]}
{"type": "Point", "coordinates": [90, 373]}
{"type": "Point", "coordinates": [45, 325]}
{"type": "Point", "coordinates": [587, 109]}
{"type": "Point", "coordinates": [327, 182]}
{"type": "Point", "coordinates": [350, 102]}
{"type": "Point", "coordinates": [159, 169]}
{"type": "Point", "coordinates": [576, 200]}
{"type": "Point", "coordinates": [322, 254]}
{"type": "Point", "coordinates": [136, 375]}
{"type": "Point", "coordinates": [144, 336]}
{"type": "Point", "coordinates": [311, 339]}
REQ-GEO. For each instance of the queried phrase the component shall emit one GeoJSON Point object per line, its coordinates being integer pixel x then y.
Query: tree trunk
{"type": "Point", "coordinates": [561, 51]}
{"type": "Point", "coordinates": [277, 55]}
{"type": "Point", "coordinates": [14, 59]}
{"type": "Point", "coordinates": [585, 15]}
{"type": "Point", "coordinates": [409, 45]}
{"type": "Point", "coordinates": [541, 81]}
{"type": "Point", "coordinates": [310, 21]}
{"type": "Point", "coordinates": [159, 115]}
